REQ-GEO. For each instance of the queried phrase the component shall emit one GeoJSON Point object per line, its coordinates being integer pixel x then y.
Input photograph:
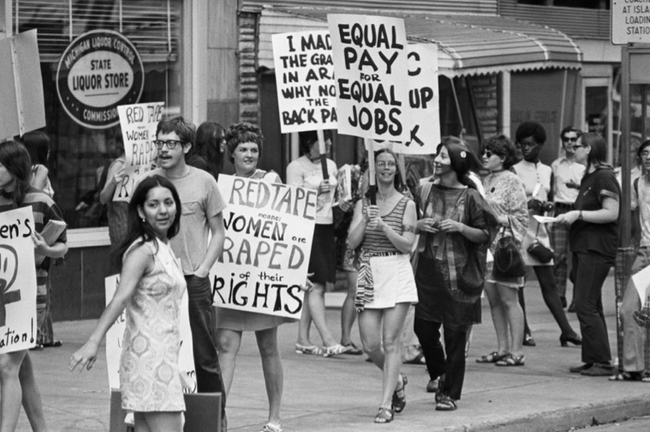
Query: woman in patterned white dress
{"type": "Point", "coordinates": [151, 287]}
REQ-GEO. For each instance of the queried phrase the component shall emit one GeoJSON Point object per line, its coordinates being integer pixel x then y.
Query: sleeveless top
{"type": "Point", "coordinates": [375, 243]}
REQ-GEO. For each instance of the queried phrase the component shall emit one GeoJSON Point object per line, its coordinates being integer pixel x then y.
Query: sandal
{"type": "Point", "coordinates": [334, 350]}
{"type": "Point", "coordinates": [493, 357]}
{"type": "Point", "coordinates": [311, 349]}
{"type": "Point", "coordinates": [352, 349]}
{"type": "Point", "coordinates": [270, 427]}
{"type": "Point", "coordinates": [627, 376]}
{"type": "Point", "coordinates": [510, 360]}
{"type": "Point", "coordinates": [399, 395]}
{"type": "Point", "coordinates": [446, 403]}
{"type": "Point", "coordinates": [384, 415]}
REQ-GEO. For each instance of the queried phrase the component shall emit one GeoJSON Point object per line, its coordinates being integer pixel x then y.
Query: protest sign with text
{"type": "Point", "coordinates": [138, 123]}
{"type": "Point", "coordinates": [269, 230]}
{"type": "Point", "coordinates": [371, 67]}
{"type": "Point", "coordinates": [115, 334]}
{"type": "Point", "coordinates": [17, 281]}
{"type": "Point", "coordinates": [424, 100]}
{"type": "Point", "coordinates": [304, 75]}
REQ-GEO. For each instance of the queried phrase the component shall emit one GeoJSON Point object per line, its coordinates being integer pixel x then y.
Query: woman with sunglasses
{"type": "Point", "coordinates": [385, 286]}
{"type": "Point", "coordinates": [505, 193]}
{"type": "Point", "coordinates": [593, 238]}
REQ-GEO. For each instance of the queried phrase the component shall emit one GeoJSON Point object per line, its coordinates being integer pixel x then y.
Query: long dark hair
{"type": "Point", "coordinates": [209, 136]}
{"type": "Point", "coordinates": [463, 160]}
{"type": "Point", "coordinates": [136, 227]}
{"type": "Point", "coordinates": [15, 158]}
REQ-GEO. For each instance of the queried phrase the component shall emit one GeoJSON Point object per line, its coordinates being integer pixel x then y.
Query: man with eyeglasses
{"type": "Point", "coordinates": [567, 174]}
{"type": "Point", "coordinates": [634, 335]}
{"type": "Point", "coordinates": [201, 215]}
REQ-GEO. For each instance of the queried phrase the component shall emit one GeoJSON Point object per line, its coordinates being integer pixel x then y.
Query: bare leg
{"type": "Point", "coordinates": [389, 358]}
{"type": "Point", "coordinates": [305, 323]}
{"type": "Point", "coordinates": [497, 309]}
{"type": "Point", "coordinates": [31, 396]}
{"type": "Point", "coordinates": [229, 343]}
{"type": "Point", "coordinates": [267, 342]}
{"type": "Point", "coordinates": [515, 317]}
{"type": "Point", "coordinates": [348, 314]}
{"type": "Point", "coordinates": [159, 422]}
{"type": "Point", "coordinates": [316, 300]}
{"type": "Point", "coordinates": [11, 392]}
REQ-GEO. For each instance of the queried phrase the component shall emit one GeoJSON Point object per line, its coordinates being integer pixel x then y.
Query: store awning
{"type": "Point", "coordinates": [467, 44]}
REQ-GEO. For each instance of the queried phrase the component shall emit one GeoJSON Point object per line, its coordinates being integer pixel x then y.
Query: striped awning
{"type": "Point", "coordinates": [467, 44]}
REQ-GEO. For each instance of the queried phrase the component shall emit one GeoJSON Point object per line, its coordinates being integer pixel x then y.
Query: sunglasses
{"type": "Point", "coordinates": [488, 154]}
{"type": "Point", "coordinates": [570, 139]}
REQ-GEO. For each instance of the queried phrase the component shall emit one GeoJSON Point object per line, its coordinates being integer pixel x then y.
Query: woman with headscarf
{"type": "Point", "coordinates": [456, 229]}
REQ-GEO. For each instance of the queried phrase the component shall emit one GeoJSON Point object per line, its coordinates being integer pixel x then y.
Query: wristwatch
{"type": "Point", "coordinates": [580, 215]}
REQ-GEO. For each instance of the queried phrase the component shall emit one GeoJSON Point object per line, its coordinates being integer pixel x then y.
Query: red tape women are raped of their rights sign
{"type": "Point", "coordinates": [138, 123]}
{"type": "Point", "coordinates": [17, 281]}
{"type": "Point", "coordinates": [269, 230]}
{"type": "Point", "coordinates": [370, 63]}
{"type": "Point", "coordinates": [304, 75]}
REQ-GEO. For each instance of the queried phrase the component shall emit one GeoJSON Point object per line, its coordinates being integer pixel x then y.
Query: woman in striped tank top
{"type": "Point", "coordinates": [386, 286]}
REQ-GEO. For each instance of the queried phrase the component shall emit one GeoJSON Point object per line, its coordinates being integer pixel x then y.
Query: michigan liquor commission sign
{"type": "Point", "coordinates": [97, 72]}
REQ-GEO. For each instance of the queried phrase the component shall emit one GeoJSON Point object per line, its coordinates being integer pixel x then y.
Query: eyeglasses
{"type": "Point", "coordinates": [488, 154]}
{"type": "Point", "coordinates": [382, 164]}
{"type": "Point", "coordinates": [570, 139]}
{"type": "Point", "coordinates": [644, 154]}
{"type": "Point", "coordinates": [171, 144]}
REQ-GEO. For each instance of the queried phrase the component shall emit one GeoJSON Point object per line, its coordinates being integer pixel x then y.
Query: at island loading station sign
{"type": "Point", "coordinates": [630, 21]}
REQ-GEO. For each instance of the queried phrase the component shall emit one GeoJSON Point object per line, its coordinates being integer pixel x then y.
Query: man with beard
{"type": "Point", "coordinates": [567, 174]}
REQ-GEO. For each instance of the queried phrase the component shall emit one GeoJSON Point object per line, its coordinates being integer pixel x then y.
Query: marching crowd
{"type": "Point", "coordinates": [417, 258]}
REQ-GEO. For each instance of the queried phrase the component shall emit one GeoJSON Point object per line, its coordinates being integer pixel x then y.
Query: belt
{"type": "Point", "coordinates": [567, 206]}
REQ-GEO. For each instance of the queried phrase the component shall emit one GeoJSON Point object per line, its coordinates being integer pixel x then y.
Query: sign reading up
{"type": "Point", "coordinates": [304, 75]}
{"type": "Point", "coordinates": [269, 230]}
{"type": "Point", "coordinates": [138, 123]}
{"type": "Point", "coordinates": [17, 281]}
{"type": "Point", "coordinates": [370, 62]}
{"type": "Point", "coordinates": [98, 71]}
{"type": "Point", "coordinates": [630, 22]}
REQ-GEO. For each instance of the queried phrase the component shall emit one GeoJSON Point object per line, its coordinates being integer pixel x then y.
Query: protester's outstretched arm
{"type": "Point", "coordinates": [136, 264]}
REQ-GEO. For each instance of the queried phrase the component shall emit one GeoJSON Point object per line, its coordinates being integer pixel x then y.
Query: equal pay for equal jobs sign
{"type": "Point", "coordinates": [304, 75]}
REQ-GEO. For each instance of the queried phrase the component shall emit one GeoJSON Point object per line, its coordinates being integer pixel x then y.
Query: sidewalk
{"type": "Point", "coordinates": [342, 394]}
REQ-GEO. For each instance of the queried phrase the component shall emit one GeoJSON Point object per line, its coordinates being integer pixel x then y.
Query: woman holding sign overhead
{"type": "Point", "coordinates": [307, 172]}
{"type": "Point", "coordinates": [151, 288]}
{"type": "Point", "coordinates": [17, 382]}
{"type": "Point", "coordinates": [244, 144]}
{"type": "Point", "coordinates": [385, 286]}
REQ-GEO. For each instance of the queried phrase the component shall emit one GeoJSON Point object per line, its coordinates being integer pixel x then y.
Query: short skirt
{"type": "Point", "coordinates": [514, 282]}
{"type": "Point", "coordinates": [237, 320]}
{"type": "Point", "coordinates": [393, 282]}
{"type": "Point", "coordinates": [322, 259]}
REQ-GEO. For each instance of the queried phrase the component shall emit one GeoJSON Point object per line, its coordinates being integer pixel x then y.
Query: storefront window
{"type": "Point", "coordinates": [80, 154]}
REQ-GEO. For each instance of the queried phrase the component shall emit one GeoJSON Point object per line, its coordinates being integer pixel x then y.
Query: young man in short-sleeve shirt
{"type": "Point", "coordinates": [201, 214]}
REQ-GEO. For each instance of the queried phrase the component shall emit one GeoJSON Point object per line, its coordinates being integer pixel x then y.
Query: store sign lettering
{"type": "Point", "coordinates": [98, 71]}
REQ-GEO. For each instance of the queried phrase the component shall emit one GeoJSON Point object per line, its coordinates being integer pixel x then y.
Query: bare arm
{"type": "Point", "coordinates": [136, 264]}
{"type": "Point", "coordinates": [39, 179]}
{"type": "Point", "coordinates": [608, 213]}
{"type": "Point", "coordinates": [113, 178]}
{"type": "Point", "coordinates": [215, 247]}
{"type": "Point", "coordinates": [357, 226]}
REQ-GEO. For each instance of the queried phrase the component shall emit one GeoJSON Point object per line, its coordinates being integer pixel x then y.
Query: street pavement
{"type": "Point", "coordinates": [342, 393]}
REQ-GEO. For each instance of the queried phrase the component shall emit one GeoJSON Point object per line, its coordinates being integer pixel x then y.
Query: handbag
{"type": "Point", "coordinates": [538, 251]}
{"type": "Point", "coordinates": [508, 261]}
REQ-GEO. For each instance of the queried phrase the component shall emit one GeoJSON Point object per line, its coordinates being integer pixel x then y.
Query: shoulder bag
{"type": "Point", "coordinates": [508, 261]}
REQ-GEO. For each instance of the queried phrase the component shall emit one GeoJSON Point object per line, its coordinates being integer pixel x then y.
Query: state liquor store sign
{"type": "Point", "coordinates": [98, 71]}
